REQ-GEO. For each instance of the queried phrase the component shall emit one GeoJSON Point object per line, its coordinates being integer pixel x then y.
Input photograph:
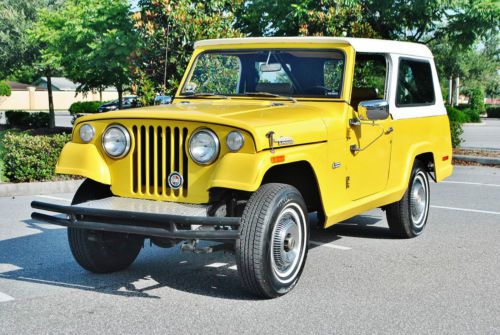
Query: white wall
{"type": "Point", "coordinates": [39, 100]}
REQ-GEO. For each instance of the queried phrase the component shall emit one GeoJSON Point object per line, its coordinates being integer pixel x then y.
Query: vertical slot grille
{"type": "Point", "coordinates": [157, 153]}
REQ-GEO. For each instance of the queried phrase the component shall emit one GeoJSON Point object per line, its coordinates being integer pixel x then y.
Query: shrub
{"type": "Point", "coordinates": [84, 107]}
{"type": "Point", "coordinates": [31, 158]}
{"type": "Point", "coordinates": [5, 89]}
{"type": "Point", "coordinates": [471, 115]}
{"type": "Point", "coordinates": [457, 117]}
{"type": "Point", "coordinates": [456, 133]}
{"type": "Point", "coordinates": [493, 111]}
{"type": "Point", "coordinates": [27, 120]}
{"type": "Point", "coordinates": [476, 100]}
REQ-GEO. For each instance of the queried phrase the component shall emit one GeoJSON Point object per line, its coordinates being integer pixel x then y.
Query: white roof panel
{"type": "Point", "coordinates": [359, 44]}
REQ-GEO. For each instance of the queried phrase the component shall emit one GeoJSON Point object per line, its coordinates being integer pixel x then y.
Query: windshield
{"type": "Point", "coordinates": [267, 73]}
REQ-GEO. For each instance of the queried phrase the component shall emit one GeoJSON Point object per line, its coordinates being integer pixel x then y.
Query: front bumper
{"type": "Point", "coordinates": [141, 217]}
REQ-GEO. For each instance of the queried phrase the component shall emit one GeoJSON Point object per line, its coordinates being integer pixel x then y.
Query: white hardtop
{"type": "Point", "coordinates": [362, 45]}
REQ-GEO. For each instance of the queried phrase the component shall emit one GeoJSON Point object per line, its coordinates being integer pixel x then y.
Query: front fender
{"type": "Point", "coordinates": [245, 172]}
{"type": "Point", "coordinates": [83, 160]}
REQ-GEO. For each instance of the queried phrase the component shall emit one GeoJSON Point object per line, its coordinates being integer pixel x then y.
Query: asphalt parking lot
{"type": "Point", "coordinates": [358, 279]}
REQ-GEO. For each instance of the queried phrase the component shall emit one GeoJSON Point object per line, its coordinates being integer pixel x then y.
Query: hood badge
{"type": "Point", "coordinates": [282, 140]}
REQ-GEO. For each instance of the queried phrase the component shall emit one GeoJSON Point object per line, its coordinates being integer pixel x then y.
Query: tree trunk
{"type": "Point", "coordinates": [100, 93]}
{"type": "Point", "coordinates": [52, 116]}
{"type": "Point", "coordinates": [457, 90]}
{"type": "Point", "coordinates": [450, 91]}
{"type": "Point", "coordinates": [119, 88]}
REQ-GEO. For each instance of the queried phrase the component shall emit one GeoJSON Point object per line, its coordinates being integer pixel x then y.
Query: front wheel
{"type": "Point", "coordinates": [103, 252]}
{"type": "Point", "coordinates": [274, 235]}
{"type": "Point", "coordinates": [407, 218]}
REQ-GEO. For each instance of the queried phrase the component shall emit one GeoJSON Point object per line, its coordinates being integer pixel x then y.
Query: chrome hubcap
{"type": "Point", "coordinates": [418, 200]}
{"type": "Point", "coordinates": [284, 243]}
{"type": "Point", "coordinates": [287, 243]}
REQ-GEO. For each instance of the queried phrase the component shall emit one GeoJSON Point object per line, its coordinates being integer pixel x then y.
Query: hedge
{"type": "Point", "coordinates": [5, 89]}
{"type": "Point", "coordinates": [493, 111]}
{"type": "Point", "coordinates": [27, 120]}
{"type": "Point", "coordinates": [84, 107]}
{"type": "Point", "coordinates": [457, 117]}
{"type": "Point", "coordinates": [31, 158]}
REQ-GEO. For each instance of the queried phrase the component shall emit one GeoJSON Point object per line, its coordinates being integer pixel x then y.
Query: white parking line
{"type": "Point", "coordinates": [466, 210]}
{"type": "Point", "coordinates": [58, 283]}
{"type": "Point", "coordinates": [53, 198]}
{"type": "Point", "coordinates": [4, 297]}
{"type": "Point", "coordinates": [470, 183]}
{"type": "Point", "coordinates": [329, 245]}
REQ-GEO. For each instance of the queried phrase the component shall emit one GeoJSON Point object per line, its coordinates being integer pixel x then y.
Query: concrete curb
{"type": "Point", "coordinates": [478, 159]}
{"type": "Point", "coordinates": [36, 188]}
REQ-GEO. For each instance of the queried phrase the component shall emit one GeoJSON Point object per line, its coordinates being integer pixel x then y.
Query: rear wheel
{"type": "Point", "coordinates": [407, 218]}
{"type": "Point", "coordinates": [274, 234]}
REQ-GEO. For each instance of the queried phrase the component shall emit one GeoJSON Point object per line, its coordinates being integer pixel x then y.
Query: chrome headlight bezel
{"type": "Point", "coordinates": [126, 135]}
{"type": "Point", "coordinates": [90, 129]}
{"type": "Point", "coordinates": [228, 140]}
{"type": "Point", "coordinates": [216, 141]}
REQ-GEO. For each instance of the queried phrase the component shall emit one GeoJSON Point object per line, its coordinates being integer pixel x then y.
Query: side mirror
{"type": "Point", "coordinates": [373, 110]}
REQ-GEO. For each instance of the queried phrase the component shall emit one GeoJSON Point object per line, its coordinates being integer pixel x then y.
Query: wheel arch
{"type": "Point", "coordinates": [427, 159]}
{"type": "Point", "coordinates": [301, 175]}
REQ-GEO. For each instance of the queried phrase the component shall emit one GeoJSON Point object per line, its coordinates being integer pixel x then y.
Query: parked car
{"type": "Point", "coordinates": [127, 102]}
{"type": "Point", "coordinates": [163, 100]}
{"type": "Point", "coordinates": [262, 132]}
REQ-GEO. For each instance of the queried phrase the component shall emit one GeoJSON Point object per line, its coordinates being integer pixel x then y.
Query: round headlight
{"type": "Point", "coordinates": [204, 146]}
{"type": "Point", "coordinates": [87, 133]}
{"type": "Point", "coordinates": [116, 141]}
{"type": "Point", "coordinates": [235, 140]}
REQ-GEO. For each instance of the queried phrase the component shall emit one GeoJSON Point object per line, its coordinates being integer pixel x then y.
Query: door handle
{"type": "Point", "coordinates": [389, 130]}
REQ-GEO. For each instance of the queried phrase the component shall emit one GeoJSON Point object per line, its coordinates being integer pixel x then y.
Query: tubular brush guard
{"type": "Point", "coordinates": [147, 224]}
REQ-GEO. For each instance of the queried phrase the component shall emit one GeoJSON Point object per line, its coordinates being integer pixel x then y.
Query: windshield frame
{"type": "Point", "coordinates": [194, 62]}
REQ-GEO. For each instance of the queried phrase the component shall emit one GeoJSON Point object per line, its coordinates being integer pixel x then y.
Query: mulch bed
{"type": "Point", "coordinates": [467, 163]}
{"type": "Point", "coordinates": [477, 152]}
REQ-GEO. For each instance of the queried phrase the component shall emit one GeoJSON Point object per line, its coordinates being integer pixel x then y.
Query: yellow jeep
{"type": "Point", "coordinates": [261, 132]}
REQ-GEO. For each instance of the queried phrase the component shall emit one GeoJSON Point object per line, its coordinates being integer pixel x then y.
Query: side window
{"type": "Point", "coordinates": [415, 86]}
{"type": "Point", "coordinates": [370, 72]}
{"type": "Point", "coordinates": [215, 73]}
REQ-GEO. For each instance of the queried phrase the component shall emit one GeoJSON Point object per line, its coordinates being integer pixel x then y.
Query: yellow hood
{"type": "Point", "coordinates": [300, 121]}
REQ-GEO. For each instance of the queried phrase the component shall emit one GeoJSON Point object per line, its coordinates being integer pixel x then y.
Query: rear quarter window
{"type": "Point", "coordinates": [415, 86]}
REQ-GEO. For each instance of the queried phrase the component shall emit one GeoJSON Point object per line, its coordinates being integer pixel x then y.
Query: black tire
{"type": "Point", "coordinates": [103, 252]}
{"type": "Point", "coordinates": [407, 218]}
{"type": "Point", "coordinates": [274, 235]}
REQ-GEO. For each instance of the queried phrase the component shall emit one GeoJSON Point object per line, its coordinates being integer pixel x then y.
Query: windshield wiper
{"type": "Point", "coordinates": [205, 94]}
{"type": "Point", "coordinates": [267, 94]}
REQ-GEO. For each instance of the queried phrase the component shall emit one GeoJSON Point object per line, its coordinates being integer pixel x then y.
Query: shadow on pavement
{"type": "Point", "coordinates": [45, 258]}
{"type": "Point", "coordinates": [362, 226]}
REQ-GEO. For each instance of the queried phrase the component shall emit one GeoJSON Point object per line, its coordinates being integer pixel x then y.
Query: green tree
{"type": "Point", "coordinates": [178, 23]}
{"type": "Point", "coordinates": [5, 90]}
{"type": "Point", "coordinates": [16, 52]}
{"type": "Point", "coordinates": [92, 41]}
{"type": "Point", "coordinates": [462, 21]}
{"type": "Point", "coordinates": [20, 55]}
{"type": "Point", "coordinates": [303, 17]}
